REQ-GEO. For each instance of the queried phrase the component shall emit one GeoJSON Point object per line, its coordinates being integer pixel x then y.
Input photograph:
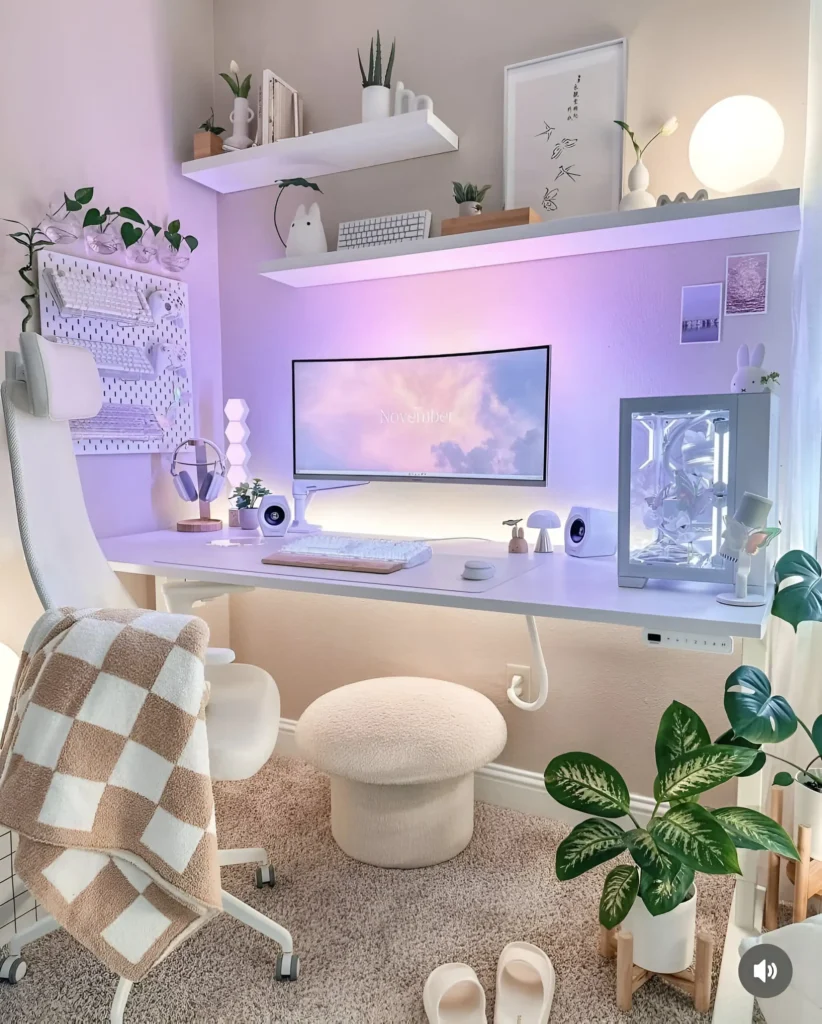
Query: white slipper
{"type": "Point", "coordinates": [525, 985]}
{"type": "Point", "coordinates": [453, 995]}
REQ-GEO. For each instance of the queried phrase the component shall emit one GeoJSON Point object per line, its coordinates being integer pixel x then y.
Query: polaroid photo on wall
{"type": "Point", "coordinates": [701, 320]}
{"type": "Point", "coordinates": [746, 284]}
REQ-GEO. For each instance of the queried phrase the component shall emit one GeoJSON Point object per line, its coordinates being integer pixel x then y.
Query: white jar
{"type": "Point", "coordinates": [807, 810]}
{"type": "Point", "coordinates": [663, 944]}
{"type": "Point", "coordinates": [376, 103]}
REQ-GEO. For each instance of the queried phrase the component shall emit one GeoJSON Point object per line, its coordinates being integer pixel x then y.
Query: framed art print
{"type": "Point", "coordinates": [563, 152]}
{"type": "Point", "coordinates": [746, 284]}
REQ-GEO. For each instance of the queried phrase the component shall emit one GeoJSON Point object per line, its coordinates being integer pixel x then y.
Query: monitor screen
{"type": "Point", "coordinates": [479, 416]}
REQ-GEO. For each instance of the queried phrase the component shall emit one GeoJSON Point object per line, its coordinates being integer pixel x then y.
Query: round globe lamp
{"type": "Point", "coordinates": [736, 142]}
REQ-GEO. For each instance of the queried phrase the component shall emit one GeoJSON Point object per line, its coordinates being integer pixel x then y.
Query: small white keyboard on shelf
{"type": "Point", "coordinates": [355, 554]}
{"type": "Point", "coordinates": [80, 293]}
{"type": "Point", "coordinates": [125, 362]}
{"type": "Point", "coordinates": [397, 227]}
{"type": "Point", "coordinates": [119, 423]}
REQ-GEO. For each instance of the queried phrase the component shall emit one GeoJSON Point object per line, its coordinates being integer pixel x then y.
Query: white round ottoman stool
{"type": "Point", "coordinates": [401, 753]}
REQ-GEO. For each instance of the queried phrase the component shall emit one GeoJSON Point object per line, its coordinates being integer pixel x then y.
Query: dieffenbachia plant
{"type": "Point", "coordinates": [678, 840]}
{"type": "Point", "coordinates": [755, 714]}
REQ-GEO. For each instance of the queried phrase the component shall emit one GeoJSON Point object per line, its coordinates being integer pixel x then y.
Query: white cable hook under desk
{"type": "Point", "coordinates": [538, 668]}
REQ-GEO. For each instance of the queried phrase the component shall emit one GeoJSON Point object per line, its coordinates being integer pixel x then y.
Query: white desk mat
{"type": "Point", "coordinates": [442, 571]}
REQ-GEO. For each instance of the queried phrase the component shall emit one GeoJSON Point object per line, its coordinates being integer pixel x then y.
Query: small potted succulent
{"type": "Point", "coordinates": [469, 198]}
{"type": "Point", "coordinates": [757, 716]}
{"type": "Point", "coordinates": [246, 497]}
{"type": "Point", "coordinates": [207, 141]}
{"type": "Point", "coordinates": [655, 896]}
{"type": "Point", "coordinates": [376, 90]}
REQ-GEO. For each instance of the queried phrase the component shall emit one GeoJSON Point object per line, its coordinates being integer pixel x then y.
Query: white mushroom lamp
{"type": "Point", "coordinates": [544, 520]}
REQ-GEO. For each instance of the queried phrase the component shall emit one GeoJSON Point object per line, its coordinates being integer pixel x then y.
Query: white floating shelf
{"type": "Point", "coordinates": [404, 137]}
{"type": "Point", "coordinates": [764, 213]}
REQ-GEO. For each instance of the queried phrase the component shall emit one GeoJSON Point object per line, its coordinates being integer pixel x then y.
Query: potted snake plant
{"type": "Point", "coordinates": [757, 715]}
{"type": "Point", "coordinates": [655, 896]}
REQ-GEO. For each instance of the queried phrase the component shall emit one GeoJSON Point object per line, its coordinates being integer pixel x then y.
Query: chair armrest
{"type": "Point", "coordinates": [182, 595]}
{"type": "Point", "coordinates": [219, 656]}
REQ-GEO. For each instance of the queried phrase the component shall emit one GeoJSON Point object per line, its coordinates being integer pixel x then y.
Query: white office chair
{"type": "Point", "coordinates": [44, 388]}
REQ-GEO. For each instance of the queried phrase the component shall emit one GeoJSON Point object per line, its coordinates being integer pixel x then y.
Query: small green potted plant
{"type": "Point", "coordinates": [469, 198]}
{"type": "Point", "coordinates": [207, 141]}
{"type": "Point", "coordinates": [376, 90]}
{"type": "Point", "coordinates": [758, 716]}
{"type": "Point", "coordinates": [655, 895]}
{"type": "Point", "coordinates": [246, 497]}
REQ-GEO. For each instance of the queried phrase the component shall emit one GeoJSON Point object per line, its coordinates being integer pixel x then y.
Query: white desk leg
{"type": "Point", "coordinates": [749, 793]}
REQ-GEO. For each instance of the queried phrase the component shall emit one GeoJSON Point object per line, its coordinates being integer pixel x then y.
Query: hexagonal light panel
{"type": "Point", "coordinates": [236, 409]}
{"type": "Point", "coordinates": [237, 455]}
{"type": "Point", "coordinates": [237, 432]}
{"type": "Point", "coordinates": [236, 475]}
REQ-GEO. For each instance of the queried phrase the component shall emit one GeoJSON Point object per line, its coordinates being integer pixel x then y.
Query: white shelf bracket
{"type": "Point", "coordinates": [538, 669]}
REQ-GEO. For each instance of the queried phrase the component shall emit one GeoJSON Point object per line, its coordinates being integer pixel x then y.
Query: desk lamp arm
{"type": "Point", "coordinates": [540, 671]}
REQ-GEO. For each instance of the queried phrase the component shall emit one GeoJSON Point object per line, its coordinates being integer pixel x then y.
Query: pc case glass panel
{"type": "Point", "coordinates": [679, 479]}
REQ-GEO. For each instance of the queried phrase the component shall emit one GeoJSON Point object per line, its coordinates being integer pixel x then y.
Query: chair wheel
{"type": "Point", "coordinates": [265, 876]}
{"type": "Point", "coordinates": [288, 967]}
{"type": "Point", "coordinates": [12, 969]}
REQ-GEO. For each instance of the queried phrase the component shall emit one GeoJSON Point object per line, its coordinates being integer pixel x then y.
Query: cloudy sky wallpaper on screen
{"type": "Point", "coordinates": [473, 415]}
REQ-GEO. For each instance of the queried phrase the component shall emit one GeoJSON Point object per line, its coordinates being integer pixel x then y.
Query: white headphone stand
{"type": "Point", "coordinates": [203, 524]}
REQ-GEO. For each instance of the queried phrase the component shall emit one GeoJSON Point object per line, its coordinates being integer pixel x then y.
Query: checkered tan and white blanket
{"type": "Point", "coordinates": [104, 772]}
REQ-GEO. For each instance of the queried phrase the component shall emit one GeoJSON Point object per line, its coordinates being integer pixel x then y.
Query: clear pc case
{"type": "Point", "coordinates": [684, 464]}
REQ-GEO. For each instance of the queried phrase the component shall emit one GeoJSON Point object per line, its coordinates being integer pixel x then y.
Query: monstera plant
{"type": "Point", "coordinates": [681, 837]}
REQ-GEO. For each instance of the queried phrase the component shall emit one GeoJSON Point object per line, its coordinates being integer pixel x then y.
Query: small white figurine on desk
{"type": "Point", "coordinates": [517, 545]}
{"type": "Point", "coordinates": [405, 101]}
{"type": "Point", "coordinates": [744, 535]}
{"type": "Point", "coordinates": [307, 236]}
{"type": "Point", "coordinates": [750, 378]}
{"type": "Point", "coordinates": [543, 520]}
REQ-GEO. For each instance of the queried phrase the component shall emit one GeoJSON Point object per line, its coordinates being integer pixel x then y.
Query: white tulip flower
{"type": "Point", "coordinates": [670, 126]}
{"type": "Point", "coordinates": [234, 67]}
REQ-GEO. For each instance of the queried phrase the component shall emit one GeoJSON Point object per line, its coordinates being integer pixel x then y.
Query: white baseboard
{"type": "Point", "coordinates": [503, 786]}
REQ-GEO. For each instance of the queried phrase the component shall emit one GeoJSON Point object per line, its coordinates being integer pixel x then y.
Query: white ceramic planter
{"type": "Point", "coordinates": [376, 103]}
{"type": "Point", "coordinates": [638, 197]}
{"type": "Point", "coordinates": [241, 116]}
{"type": "Point", "coordinates": [248, 518]}
{"type": "Point", "coordinates": [663, 944]}
{"type": "Point", "coordinates": [807, 810]}
{"type": "Point", "coordinates": [469, 209]}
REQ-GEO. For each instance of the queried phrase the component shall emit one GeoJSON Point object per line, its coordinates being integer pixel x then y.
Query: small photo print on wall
{"type": "Point", "coordinates": [701, 313]}
{"type": "Point", "coordinates": [746, 284]}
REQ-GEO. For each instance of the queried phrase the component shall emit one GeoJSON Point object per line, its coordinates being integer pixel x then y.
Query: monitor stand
{"type": "Point", "coordinates": [303, 491]}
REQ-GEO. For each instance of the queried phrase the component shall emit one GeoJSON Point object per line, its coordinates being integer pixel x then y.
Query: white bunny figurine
{"type": "Point", "coordinates": [307, 236]}
{"type": "Point", "coordinates": [749, 372]}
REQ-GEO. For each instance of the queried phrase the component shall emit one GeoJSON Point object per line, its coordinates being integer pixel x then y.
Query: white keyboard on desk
{"type": "Point", "coordinates": [355, 554]}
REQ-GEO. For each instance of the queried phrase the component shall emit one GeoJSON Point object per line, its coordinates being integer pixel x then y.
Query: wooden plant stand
{"type": "Point", "coordinates": [693, 981]}
{"type": "Point", "coordinates": [806, 873]}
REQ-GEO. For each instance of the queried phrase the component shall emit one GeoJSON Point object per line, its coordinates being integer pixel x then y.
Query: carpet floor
{"type": "Point", "coordinates": [367, 937]}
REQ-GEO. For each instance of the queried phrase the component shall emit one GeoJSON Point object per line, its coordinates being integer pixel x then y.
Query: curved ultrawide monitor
{"type": "Point", "coordinates": [478, 417]}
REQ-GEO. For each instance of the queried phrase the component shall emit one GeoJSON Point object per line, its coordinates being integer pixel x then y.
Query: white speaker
{"type": "Point", "coordinates": [274, 515]}
{"type": "Point", "coordinates": [590, 532]}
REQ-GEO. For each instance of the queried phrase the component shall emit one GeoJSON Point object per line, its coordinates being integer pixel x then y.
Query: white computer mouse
{"type": "Point", "coordinates": [477, 570]}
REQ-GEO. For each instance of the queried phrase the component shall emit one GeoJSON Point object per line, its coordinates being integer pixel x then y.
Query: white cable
{"type": "Point", "coordinates": [539, 669]}
{"type": "Point", "coordinates": [430, 540]}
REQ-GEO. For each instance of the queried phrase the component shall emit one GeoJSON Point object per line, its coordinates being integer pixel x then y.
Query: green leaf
{"type": "Point", "coordinates": [174, 227]}
{"type": "Point", "coordinates": [72, 206]}
{"type": "Point", "coordinates": [588, 784]}
{"type": "Point", "coordinates": [130, 234]}
{"type": "Point", "coordinates": [693, 836]}
{"type": "Point", "coordinates": [84, 195]}
{"type": "Point", "coordinates": [661, 895]}
{"type": "Point", "coordinates": [230, 82]}
{"type": "Point", "coordinates": [647, 854]}
{"type": "Point", "coordinates": [680, 731]}
{"type": "Point", "coordinates": [750, 830]}
{"type": "Point", "coordinates": [390, 68]}
{"type": "Point", "coordinates": [155, 228]}
{"type": "Point", "coordinates": [782, 779]}
{"type": "Point", "coordinates": [362, 69]}
{"type": "Point", "coordinates": [371, 64]}
{"type": "Point", "coordinates": [753, 712]}
{"type": "Point", "coordinates": [93, 218]}
{"type": "Point", "coordinates": [592, 842]}
{"type": "Point", "coordinates": [378, 62]}
{"type": "Point", "coordinates": [174, 239]}
{"type": "Point", "coordinates": [758, 763]}
{"type": "Point", "coordinates": [623, 125]}
{"type": "Point", "coordinates": [191, 242]}
{"type": "Point", "coordinates": [800, 601]}
{"type": "Point", "coordinates": [699, 770]}
{"type": "Point", "coordinates": [131, 213]}
{"type": "Point", "coordinates": [245, 86]}
{"type": "Point", "coordinates": [618, 895]}
{"type": "Point", "coordinates": [816, 735]}
{"type": "Point", "coordinates": [303, 182]}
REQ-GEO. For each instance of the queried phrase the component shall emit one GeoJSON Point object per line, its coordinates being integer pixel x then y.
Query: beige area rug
{"type": "Point", "coordinates": [367, 937]}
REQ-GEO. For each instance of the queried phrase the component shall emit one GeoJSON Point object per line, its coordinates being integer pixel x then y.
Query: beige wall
{"type": "Point", "coordinates": [612, 324]}
{"type": "Point", "coordinates": [106, 94]}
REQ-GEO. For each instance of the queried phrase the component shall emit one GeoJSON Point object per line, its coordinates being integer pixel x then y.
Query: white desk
{"type": "Point", "coordinates": [559, 587]}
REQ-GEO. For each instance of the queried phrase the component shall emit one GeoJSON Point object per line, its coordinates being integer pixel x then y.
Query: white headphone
{"type": "Point", "coordinates": [212, 481]}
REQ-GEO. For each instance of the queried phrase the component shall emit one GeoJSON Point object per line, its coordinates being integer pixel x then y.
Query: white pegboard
{"type": "Point", "coordinates": [157, 394]}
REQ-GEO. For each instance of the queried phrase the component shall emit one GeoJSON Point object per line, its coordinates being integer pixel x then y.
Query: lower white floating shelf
{"type": "Point", "coordinates": [763, 213]}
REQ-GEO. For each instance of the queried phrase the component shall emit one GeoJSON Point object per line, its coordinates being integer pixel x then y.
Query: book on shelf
{"type": "Point", "coordinates": [280, 109]}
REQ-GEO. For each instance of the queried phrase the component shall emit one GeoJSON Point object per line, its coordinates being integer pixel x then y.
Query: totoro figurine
{"type": "Point", "coordinates": [307, 236]}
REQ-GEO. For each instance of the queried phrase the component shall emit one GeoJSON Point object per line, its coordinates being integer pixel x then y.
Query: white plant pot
{"type": "Point", "coordinates": [469, 209]}
{"type": "Point", "coordinates": [241, 116]}
{"type": "Point", "coordinates": [248, 518]}
{"type": "Point", "coordinates": [807, 810]}
{"type": "Point", "coordinates": [663, 944]}
{"type": "Point", "coordinates": [376, 103]}
{"type": "Point", "coordinates": [638, 197]}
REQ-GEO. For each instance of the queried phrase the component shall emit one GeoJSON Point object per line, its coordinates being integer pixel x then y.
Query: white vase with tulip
{"type": "Point", "coordinates": [638, 197]}
{"type": "Point", "coordinates": [242, 114]}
